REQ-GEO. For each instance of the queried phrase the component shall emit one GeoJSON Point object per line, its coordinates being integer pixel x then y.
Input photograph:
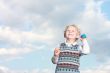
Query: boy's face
{"type": "Point", "coordinates": [71, 32]}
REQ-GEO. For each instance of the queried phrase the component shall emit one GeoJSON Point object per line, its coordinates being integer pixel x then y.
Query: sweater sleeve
{"type": "Point", "coordinates": [85, 49]}
{"type": "Point", "coordinates": [54, 59]}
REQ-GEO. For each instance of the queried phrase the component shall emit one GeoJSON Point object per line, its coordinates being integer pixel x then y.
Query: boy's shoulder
{"type": "Point", "coordinates": [62, 44]}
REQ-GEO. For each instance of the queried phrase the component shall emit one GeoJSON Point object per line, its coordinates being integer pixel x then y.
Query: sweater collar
{"type": "Point", "coordinates": [68, 44]}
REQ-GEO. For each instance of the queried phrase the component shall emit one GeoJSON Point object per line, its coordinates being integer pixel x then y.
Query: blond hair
{"type": "Point", "coordinates": [73, 25]}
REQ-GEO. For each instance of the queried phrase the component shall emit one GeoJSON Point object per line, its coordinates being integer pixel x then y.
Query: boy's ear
{"type": "Point", "coordinates": [78, 34]}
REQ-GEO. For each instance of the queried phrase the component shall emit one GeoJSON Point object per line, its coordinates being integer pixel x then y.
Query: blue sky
{"type": "Point", "coordinates": [31, 29]}
{"type": "Point", "coordinates": [106, 9]}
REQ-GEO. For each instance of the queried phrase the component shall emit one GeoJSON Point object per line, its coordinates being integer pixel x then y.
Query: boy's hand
{"type": "Point", "coordinates": [56, 51]}
{"type": "Point", "coordinates": [83, 37]}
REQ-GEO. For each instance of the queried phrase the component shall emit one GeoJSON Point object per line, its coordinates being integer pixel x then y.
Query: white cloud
{"type": "Point", "coordinates": [3, 69]}
{"type": "Point", "coordinates": [14, 51]}
{"type": "Point", "coordinates": [22, 42]}
{"type": "Point", "coordinates": [7, 70]}
{"type": "Point", "coordinates": [93, 22]}
{"type": "Point", "coordinates": [5, 12]}
{"type": "Point", "coordinates": [103, 68]}
{"type": "Point", "coordinates": [18, 37]}
{"type": "Point", "coordinates": [9, 54]}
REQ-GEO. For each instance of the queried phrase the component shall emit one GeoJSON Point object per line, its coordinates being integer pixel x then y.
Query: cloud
{"type": "Point", "coordinates": [22, 38]}
{"type": "Point", "coordinates": [14, 51]}
{"type": "Point", "coordinates": [7, 70]}
{"type": "Point", "coordinates": [36, 12]}
{"type": "Point", "coordinates": [15, 43]}
{"type": "Point", "coordinates": [9, 54]}
{"type": "Point", "coordinates": [3, 70]}
{"type": "Point", "coordinates": [17, 36]}
{"type": "Point", "coordinates": [103, 68]}
{"type": "Point", "coordinates": [97, 28]}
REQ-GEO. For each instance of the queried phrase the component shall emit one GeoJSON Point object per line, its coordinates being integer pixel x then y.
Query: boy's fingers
{"type": "Point", "coordinates": [57, 50]}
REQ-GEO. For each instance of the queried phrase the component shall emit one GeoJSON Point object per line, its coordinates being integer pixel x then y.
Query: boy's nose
{"type": "Point", "coordinates": [70, 31]}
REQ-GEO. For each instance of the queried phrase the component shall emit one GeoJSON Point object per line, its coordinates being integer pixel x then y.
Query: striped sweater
{"type": "Point", "coordinates": [69, 57]}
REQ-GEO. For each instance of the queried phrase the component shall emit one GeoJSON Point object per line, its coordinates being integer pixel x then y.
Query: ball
{"type": "Point", "coordinates": [83, 36]}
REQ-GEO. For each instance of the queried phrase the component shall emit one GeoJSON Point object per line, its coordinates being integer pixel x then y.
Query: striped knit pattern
{"type": "Point", "coordinates": [68, 61]}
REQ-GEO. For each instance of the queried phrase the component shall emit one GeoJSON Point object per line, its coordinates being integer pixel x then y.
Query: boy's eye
{"type": "Point", "coordinates": [70, 30]}
{"type": "Point", "coordinates": [67, 30]}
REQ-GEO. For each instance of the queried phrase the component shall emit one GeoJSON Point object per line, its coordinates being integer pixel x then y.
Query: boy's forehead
{"type": "Point", "coordinates": [72, 28]}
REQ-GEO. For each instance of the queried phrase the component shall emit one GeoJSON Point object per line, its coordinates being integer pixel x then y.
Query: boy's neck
{"type": "Point", "coordinates": [71, 41]}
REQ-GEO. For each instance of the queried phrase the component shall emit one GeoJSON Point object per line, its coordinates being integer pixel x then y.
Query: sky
{"type": "Point", "coordinates": [31, 29]}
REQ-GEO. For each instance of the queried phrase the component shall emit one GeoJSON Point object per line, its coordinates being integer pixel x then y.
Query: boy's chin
{"type": "Point", "coordinates": [71, 38]}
